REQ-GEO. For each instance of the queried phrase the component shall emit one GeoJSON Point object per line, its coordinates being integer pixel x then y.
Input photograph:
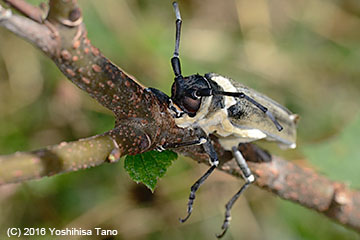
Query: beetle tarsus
{"type": "Point", "coordinates": [182, 220]}
{"type": "Point", "coordinates": [249, 178]}
{"type": "Point", "coordinates": [193, 190]}
{"type": "Point", "coordinates": [190, 203]}
{"type": "Point", "coordinates": [223, 232]}
{"type": "Point", "coordinates": [228, 207]}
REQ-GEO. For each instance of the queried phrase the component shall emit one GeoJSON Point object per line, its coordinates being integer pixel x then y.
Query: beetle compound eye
{"type": "Point", "coordinates": [191, 105]}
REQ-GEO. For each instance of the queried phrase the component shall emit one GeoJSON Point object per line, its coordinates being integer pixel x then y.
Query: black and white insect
{"type": "Point", "coordinates": [214, 104]}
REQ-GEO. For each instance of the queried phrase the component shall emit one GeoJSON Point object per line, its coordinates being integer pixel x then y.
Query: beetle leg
{"type": "Point", "coordinates": [247, 174]}
{"type": "Point", "coordinates": [202, 140]}
{"type": "Point", "coordinates": [214, 162]}
{"type": "Point", "coordinates": [209, 149]}
{"type": "Point", "coordinates": [249, 178]}
{"type": "Point", "coordinates": [199, 141]}
{"type": "Point", "coordinates": [193, 189]}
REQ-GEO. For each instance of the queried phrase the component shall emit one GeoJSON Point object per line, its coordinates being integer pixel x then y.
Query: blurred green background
{"type": "Point", "coordinates": [304, 54]}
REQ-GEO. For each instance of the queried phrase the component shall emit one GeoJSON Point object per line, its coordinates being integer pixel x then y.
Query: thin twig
{"type": "Point", "coordinates": [27, 9]}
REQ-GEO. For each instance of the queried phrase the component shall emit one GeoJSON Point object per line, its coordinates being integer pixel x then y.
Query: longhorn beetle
{"type": "Point", "coordinates": [214, 104]}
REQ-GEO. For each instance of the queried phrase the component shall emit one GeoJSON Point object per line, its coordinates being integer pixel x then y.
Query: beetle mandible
{"type": "Point", "coordinates": [214, 104]}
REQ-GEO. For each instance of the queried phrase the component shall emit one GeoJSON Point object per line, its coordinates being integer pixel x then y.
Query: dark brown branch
{"type": "Point", "coordinates": [143, 123]}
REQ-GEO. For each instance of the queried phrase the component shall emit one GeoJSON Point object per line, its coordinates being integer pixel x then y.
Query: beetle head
{"type": "Point", "coordinates": [183, 92]}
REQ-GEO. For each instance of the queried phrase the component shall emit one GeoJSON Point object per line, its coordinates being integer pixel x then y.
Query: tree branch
{"type": "Point", "coordinates": [303, 186]}
{"type": "Point", "coordinates": [37, 34]}
{"type": "Point", "coordinates": [142, 122]}
{"type": "Point", "coordinates": [27, 9]}
{"type": "Point", "coordinates": [65, 157]}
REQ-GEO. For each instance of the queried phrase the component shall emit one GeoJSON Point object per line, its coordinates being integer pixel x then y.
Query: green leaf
{"type": "Point", "coordinates": [339, 158]}
{"type": "Point", "coordinates": [148, 167]}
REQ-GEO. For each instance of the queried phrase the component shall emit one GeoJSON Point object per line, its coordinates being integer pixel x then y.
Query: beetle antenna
{"type": "Point", "coordinates": [266, 111]}
{"type": "Point", "coordinates": [178, 28]}
{"type": "Point", "coordinates": [175, 61]}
